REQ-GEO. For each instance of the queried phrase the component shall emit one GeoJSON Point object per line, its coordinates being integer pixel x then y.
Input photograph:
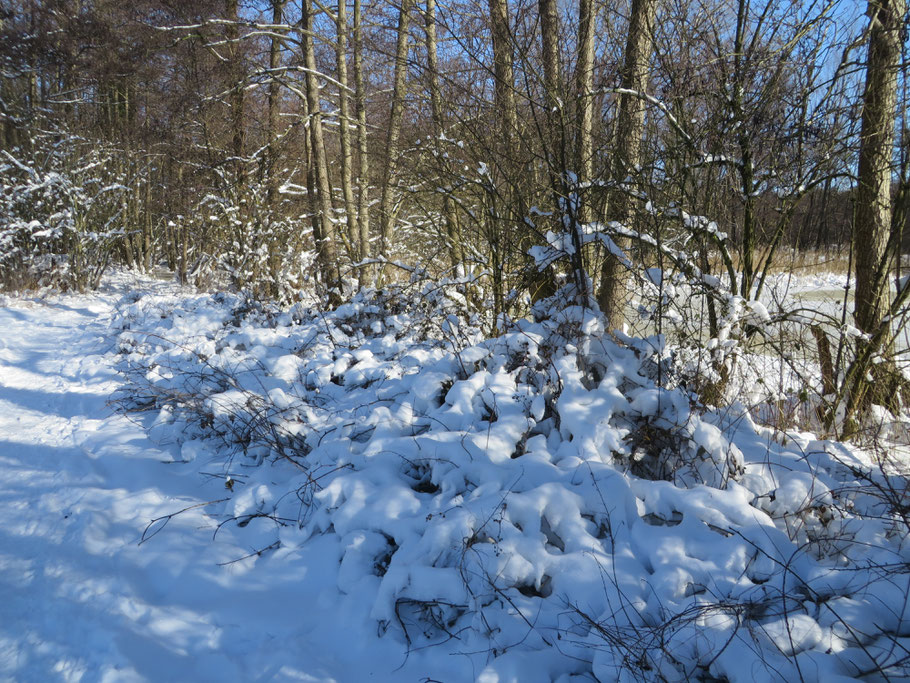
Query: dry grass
{"type": "Point", "coordinates": [797, 262]}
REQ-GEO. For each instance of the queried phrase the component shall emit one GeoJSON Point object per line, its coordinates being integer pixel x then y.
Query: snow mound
{"type": "Point", "coordinates": [545, 502]}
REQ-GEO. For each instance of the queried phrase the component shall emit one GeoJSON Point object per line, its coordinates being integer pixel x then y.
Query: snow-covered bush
{"type": "Point", "coordinates": [546, 498]}
{"type": "Point", "coordinates": [788, 361]}
{"type": "Point", "coordinates": [563, 362]}
{"type": "Point", "coordinates": [553, 500]}
{"type": "Point", "coordinates": [61, 212]}
{"type": "Point", "coordinates": [259, 249]}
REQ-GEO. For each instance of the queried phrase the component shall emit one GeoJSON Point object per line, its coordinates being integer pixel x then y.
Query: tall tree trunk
{"type": "Point", "coordinates": [584, 107]}
{"type": "Point", "coordinates": [555, 131]}
{"type": "Point", "coordinates": [386, 216]}
{"type": "Point", "coordinates": [325, 239]}
{"type": "Point", "coordinates": [549, 38]}
{"type": "Point", "coordinates": [236, 89]}
{"type": "Point", "coordinates": [453, 236]}
{"type": "Point", "coordinates": [272, 177]}
{"type": "Point", "coordinates": [630, 125]}
{"type": "Point", "coordinates": [875, 243]}
{"type": "Point", "coordinates": [146, 204]}
{"type": "Point", "coordinates": [872, 224]}
{"type": "Point", "coordinates": [746, 157]}
{"type": "Point", "coordinates": [503, 73]}
{"type": "Point", "coordinates": [363, 177]}
{"type": "Point", "coordinates": [344, 127]}
{"type": "Point", "coordinates": [274, 104]}
{"type": "Point", "coordinates": [506, 225]}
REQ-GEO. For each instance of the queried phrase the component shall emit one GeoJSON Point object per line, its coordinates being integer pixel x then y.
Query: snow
{"type": "Point", "coordinates": [198, 487]}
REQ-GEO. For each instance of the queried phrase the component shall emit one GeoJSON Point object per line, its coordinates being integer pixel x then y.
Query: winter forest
{"type": "Point", "coordinates": [433, 340]}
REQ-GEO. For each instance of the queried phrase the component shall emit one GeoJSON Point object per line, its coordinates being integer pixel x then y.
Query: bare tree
{"type": "Point", "coordinates": [347, 152]}
{"type": "Point", "coordinates": [274, 103]}
{"type": "Point", "coordinates": [363, 178]}
{"type": "Point", "coordinates": [876, 238]}
{"type": "Point", "coordinates": [872, 226]}
{"type": "Point", "coordinates": [503, 74]}
{"type": "Point", "coordinates": [450, 215]}
{"type": "Point", "coordinates": [272, 157]}
{"type": "Point", "coordinates": [584, 103]}
{"type": "Point", "coordinates": [236, 89]}
{"type": "Point", "coordinates": [386, 212]}
{"type": "Point", "coordinates": [325, 236]}
{"type": "Point", "coordinates": [627, 138]}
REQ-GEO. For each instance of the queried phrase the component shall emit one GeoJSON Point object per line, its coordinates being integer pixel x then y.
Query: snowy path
{"type": "Point", "coordinates": [79, 598]}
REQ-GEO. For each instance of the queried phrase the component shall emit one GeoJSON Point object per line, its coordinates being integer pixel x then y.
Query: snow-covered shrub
{"type": "Point", "coordinates": [560, 361]}
{"type": "Point", "coordinates": [764, 348]}
{"type": "Point", "coordinates": [61, 206]}
{"type": "Point", "coordinates": [261, 250]}
{"type": "Point", "coordinates": [537, 495]}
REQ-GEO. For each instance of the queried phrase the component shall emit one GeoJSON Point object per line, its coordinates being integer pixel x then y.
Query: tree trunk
{"type": "Point", "coordinates": [325, 239]}
{"type": "Point", "coordinates": [363, 179]}
{"type": "Point", "coordinates": [274, 107]}
{"type": "Point", "coordinates": [236, 89]}
{"type": "Point", "coordinates": [746, 157]}
{"type": "Point", "coordinates": [503, 72]}
{"type": "Point", "coordinates": [344, 126]}
{"type": "Point", "coordinates": [556, 146]}
{"type": "Point", "coordinates": [453, 236]}
{"type": "Point", "coordinates": [272, 177]}
{"type": "Point", "coordinates": [630, 126]}
{"type": "Point", "coordinates": [386, 216]}
{"type": "Point", "coordinates": [584, 74]}
{"type": "Point", "coordinates": [872, 223]}
{"type": "Point", "coordinates": [549, 38]}
{"type": "Point", "coordinates": [503, 220]}
{"type": "Point", "coordinates": [872, 227]}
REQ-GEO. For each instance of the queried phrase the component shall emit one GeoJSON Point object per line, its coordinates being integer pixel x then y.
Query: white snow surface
{"type": "Point", "coordinates": [382, 494]}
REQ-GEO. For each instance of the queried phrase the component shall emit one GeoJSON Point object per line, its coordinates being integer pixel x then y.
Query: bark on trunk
{"type": "Point", "coordinates": [386, 213]}
{"type": "Point", "coordinates": [347, 153]}
{"type": "Point", "coordinates": [363, 179]}
{"type": "Point", "coordinates": [236, 93]}
{"type": "Point", "coordinates": [325, 244]}
{"type": "Point", "coordinates": [503, 72]}
{"type": "Point", "coordinates": [274, 107]}
{"type": "Point", "coordinates": [272, 177]}
{"type": "Point", "coordinates": [872, 226]}
{"type": "Point", "coordinates": [630, 126]}
{"type": "Point", "coordinates": [584, 149]}
{"type": "Point", "coordinates": [453, 236]}
{"type": "Point", "coordinates": [557, 147]}
{"type": "Point", "coordinates": [875, 245]}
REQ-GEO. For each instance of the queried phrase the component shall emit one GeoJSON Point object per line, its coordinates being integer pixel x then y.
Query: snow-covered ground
{"type": "Point", "coordinates": [358, 498]}
{"type": "Point", "coordinates": [80, 599]}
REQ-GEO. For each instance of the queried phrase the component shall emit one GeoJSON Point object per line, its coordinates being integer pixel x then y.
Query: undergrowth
{"type": "Point", "coordinates": [551, 489]}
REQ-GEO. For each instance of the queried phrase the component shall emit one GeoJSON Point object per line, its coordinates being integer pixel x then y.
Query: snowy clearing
{"type": "Point", "coordinates": [380, 493]}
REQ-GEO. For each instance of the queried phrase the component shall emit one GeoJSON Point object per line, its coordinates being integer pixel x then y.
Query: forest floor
{"type": "Point", "coordinates": [139, 547]}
